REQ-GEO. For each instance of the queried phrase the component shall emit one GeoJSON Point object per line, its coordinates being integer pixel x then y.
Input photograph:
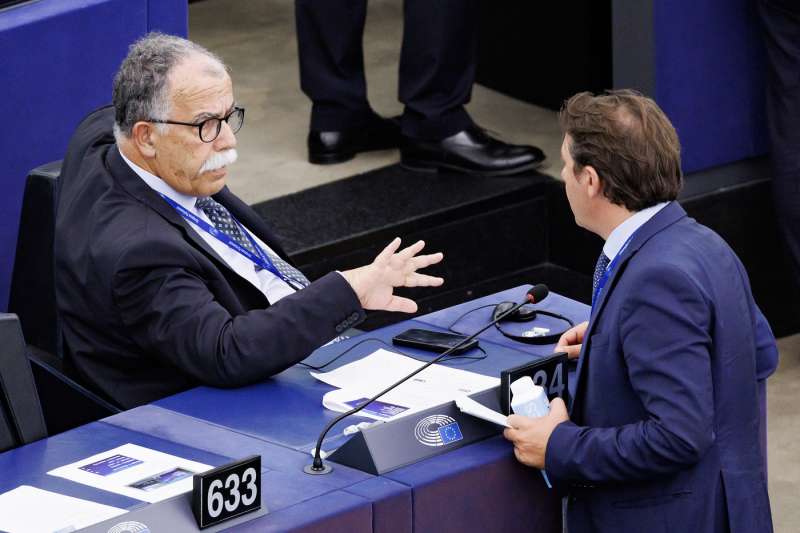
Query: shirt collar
{"type": "Point", "coordinates": [161, 186]}
{"type": "Point", "coordinates": [617, 239]}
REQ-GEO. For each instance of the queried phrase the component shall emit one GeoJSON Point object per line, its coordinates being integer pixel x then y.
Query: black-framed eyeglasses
{"type": "Point", "coordinates": [209, 128]}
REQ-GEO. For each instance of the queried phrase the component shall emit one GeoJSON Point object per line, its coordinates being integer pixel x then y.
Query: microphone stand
{"type": "Point", "coordinates": [319, 468]}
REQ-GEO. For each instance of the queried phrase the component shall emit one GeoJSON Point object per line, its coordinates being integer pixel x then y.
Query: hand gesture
{"type": "Point", "coordinates": [572, 340]}
{"type": "Point", "coordinates": [374, 283]}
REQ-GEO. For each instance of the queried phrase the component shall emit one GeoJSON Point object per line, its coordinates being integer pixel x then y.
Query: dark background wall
{"type": "Point", "coordinates": [543, 52]}
{"type": "Point", "coordinates": [703, 62]}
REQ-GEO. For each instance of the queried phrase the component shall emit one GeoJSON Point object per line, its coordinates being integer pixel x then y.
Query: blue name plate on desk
{"type": "Point", "coordinates": [384, 447]}
{"type": "Point", "coordinates": [550, 373]}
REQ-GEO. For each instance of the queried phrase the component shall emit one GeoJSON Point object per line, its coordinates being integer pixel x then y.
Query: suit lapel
{"type": "Point", "coordinates": [670, 214]}
{"type": "Point", "coordinates": [137, 188]}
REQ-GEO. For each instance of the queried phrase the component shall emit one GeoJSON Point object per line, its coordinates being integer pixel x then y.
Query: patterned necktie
{"type": "Point", "coordinates": [223, 221]}
{"type": "Point", "coordinates": [599, 270]}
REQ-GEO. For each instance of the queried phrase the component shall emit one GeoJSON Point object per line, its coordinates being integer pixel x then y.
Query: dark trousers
{"type": "Point", "coordinates": [437, 64]}
{"type": "Point", "coordinates": [781, 23]}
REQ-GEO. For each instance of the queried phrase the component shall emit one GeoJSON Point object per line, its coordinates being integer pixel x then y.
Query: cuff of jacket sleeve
{"type": "Point", "coordinates": [356, 315]}
{"type": "Point", "coordinates": [557, 456]}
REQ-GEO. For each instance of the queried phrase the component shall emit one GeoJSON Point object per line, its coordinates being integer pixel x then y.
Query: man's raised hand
{"type": "Point", "coordinates": [374, 283]}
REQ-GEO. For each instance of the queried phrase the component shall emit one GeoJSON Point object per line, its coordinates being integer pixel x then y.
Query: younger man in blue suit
{"type": "Point", "coordinates": [662, 434]}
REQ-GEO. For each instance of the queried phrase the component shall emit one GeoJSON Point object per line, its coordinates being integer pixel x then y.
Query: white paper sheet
{"type": "Point", "coordinates": [28, 509]}
{"type": "Point", "coordinates": [134, 471]}
{"type": "Point", "coordinates": [471, 407]}
{"type": "Point", "coordinates": [366, 377]}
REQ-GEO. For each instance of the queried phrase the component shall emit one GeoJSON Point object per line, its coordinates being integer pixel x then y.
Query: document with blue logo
{"type": "Point", "coordinates": [134, 471]}
{"type": "Point", "coordinates": [358, 381]}
{"type": "Point", "coordinates": [29, 509]}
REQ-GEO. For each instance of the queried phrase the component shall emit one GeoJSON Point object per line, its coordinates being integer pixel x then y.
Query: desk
{"type": "Point", "coordinates": [293, 504]}
{"type": "Point", "coordinates": [28, 465]}
{"type": "Point", "coordinates": [480, 487]}
{"type": "Point", "coordinates": [296, 424]}
{"type": "Point", "coordinates": [302, 501]}
{"type": "Point", "coordinates": [575, 311]}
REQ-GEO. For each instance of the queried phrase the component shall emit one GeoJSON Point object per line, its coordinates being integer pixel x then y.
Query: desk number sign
{"type": "Point", "coordinates": [549, 373]}
{"type": "Point", "coordinates": [227, 491]}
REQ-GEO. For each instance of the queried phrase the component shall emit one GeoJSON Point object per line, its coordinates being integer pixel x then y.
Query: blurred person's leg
{"type": "Point", "coordinates": [437, 66]}
{"type": "Point", "coordinates": [437, 70]}
{"type": "Point", "coordinates": [330, 48]}
{"type": "Point", "coordinates": [329, 45]}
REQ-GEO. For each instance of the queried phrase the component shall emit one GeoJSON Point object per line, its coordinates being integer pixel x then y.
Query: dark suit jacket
{"type": "Point", "coordinates": [663, 434]}
{"type": "Point", "coordinates": [148, 308]}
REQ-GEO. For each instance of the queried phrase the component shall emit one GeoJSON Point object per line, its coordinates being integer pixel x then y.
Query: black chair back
{"type": "Point", "coordinates": [21, 418]}
{"type": "Point", "coordinates": [33, 288]}
{"type": "Point", "coordinates": [66, 401]}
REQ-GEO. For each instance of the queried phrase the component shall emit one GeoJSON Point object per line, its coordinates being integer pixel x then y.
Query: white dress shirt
{"type": "Point", "coordinates": [617, 239]}
{"type": "Point", "coordinates": [273, 287]}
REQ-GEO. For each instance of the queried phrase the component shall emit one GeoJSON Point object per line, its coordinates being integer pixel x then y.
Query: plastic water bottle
{"type": "Point", "coordinates": [528, 399]}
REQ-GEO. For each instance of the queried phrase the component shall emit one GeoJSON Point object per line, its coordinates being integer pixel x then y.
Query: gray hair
{"type": "Point", "coordinates": [141, 88]}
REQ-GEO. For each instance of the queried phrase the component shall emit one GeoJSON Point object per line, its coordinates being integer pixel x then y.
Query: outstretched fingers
{"type": "Point", "coordinates": [423, 261]}
{"type": "Point", "coordinates": [387, 253]}
{"type": "Point", "coordinates": [409, 252]}
{"type": "Point", "coordinates": [422, 280]}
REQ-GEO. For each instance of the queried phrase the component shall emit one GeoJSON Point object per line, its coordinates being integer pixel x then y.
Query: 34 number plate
{"type": "Point", "coordinates": [550, 373]}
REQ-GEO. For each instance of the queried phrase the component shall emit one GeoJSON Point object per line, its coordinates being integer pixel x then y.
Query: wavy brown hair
{"type": "Point", "coordinates": [629, 141]}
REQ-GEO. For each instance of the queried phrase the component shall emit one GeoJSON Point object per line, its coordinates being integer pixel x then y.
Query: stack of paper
{"type": "Point", "coordinates": [360, 380]}
{"type": "Point", "coordinates": [28, 509]}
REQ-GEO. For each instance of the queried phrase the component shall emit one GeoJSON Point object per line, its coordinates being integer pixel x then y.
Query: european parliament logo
{"type": "Point", "coordinates": [129, 527]}
{"type": "Point", "coordinates": [437, 430]}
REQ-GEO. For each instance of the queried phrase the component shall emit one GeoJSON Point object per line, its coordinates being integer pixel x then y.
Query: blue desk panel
{"type": "Point", "coordinates": [287, 409]}
{"type": "Point", "coordinates": [284, 484]}
{"type": "Point", "coordinates": [391, 508]}
{"type": "Point", "coordinates": [296, 501]}
{"type": "Point", "coordinates": [28, 465]}
{"type": "Point", "coordinates": [710, 75]}
{"type": "Point", "coordinates": [284, 481]}
{"type": "Point", "coordinates": [57, 64]}
{"type": "Point", "coordinates": [480, 487]}
{"type": "Point", "coordinates": [469, 488]}
{"type": "Point", "coordinates": [334, 512]}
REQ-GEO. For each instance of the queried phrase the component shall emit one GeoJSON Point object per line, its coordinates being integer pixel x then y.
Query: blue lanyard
{"type": "Point", "coordinates": [261, 260]}
{"type": "Point", "coordinates": [609, 269]}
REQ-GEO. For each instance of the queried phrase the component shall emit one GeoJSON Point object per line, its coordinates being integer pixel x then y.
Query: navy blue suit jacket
{"type": "Point", "coordinates": [148, 308]}
{"type": "Point", "coordinates": [663, 435]}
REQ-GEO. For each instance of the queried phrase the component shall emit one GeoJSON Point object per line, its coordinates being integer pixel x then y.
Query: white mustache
{"type": "Point", "coordinates": [219, 160]}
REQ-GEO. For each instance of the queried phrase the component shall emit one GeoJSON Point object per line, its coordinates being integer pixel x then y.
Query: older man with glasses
{"type": "Point", "coordinates": [164, 278]}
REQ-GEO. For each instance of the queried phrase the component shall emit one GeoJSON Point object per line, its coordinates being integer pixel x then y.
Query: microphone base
{"type": "Point", "coordinates": [326, 469]}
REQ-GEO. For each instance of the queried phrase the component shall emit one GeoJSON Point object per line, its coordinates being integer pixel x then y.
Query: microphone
{"type": "Point", "coordinates": [536, 294]}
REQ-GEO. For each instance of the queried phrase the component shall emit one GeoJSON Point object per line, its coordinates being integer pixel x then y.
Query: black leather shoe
{"type": "Point", "coordinates": [472, 151]}
{"type": "Point", "coordinates": [329, 147]}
